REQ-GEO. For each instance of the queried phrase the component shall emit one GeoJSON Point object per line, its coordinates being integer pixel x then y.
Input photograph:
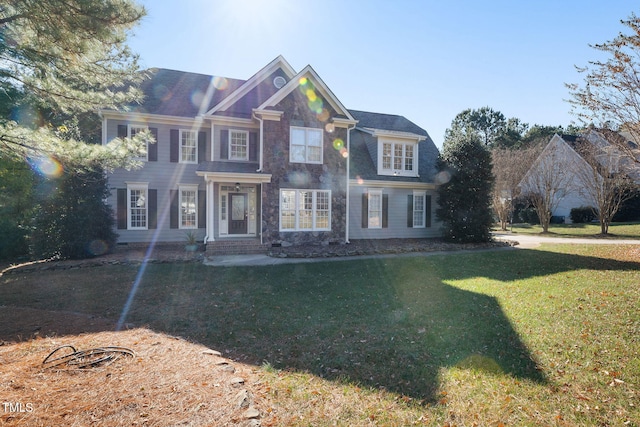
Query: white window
{"type": "Point", "coordinates": [397, 158]}
{"type": "Point", "coordinates": [305, 210]}
{"type": "Point", "coordinates": [188, 207]}
{"type": "Point", "coordinates": [137, 206]}
{"type": "Point", "coordinates": [188, 146]}
{"type": "Point", "coordinates": [238, 145]}
{"type": "Point", "coordinates": [419, 209]}
{"type": "Point", "coordinates": [305, 145]}
{"type": "Point", "coordinates": [375, 209]}
{"type": "Point", "coordinates": [133, 130]}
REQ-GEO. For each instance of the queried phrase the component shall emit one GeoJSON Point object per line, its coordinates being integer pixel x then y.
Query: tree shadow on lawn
{"type": "Point", "coordinates": [383, 323]}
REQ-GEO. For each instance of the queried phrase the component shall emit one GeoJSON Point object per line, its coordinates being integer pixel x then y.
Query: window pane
{"type": "Point", "coordinates": [188, 208]}
{"type": "Point", "coordinates": [386, 156]}
{"type": "Point", "coordinates": [188, 146]}
{"type": "Point", "coordinates": [138, 208]}
{"type": "Point", "coordinates": [375, 210]}
{"type": "Point", "coordinates": [315, 154]}
{"type": "Point", "coordinates": [418, 210]}
{"type": "Point", "coordinates": [408, 161]}
{"type": "Point", "coordinates": [298, 153]}
{"type": "Point", "coordinates": [314, 137]}
{"type": "Point", "coordinates": [238, 149]}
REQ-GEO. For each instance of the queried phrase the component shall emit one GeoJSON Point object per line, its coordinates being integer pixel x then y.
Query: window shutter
{"type": "Point", "coordinates": [122, 131]}
{"type": "Point", "coordinates": [121, 211]}
{"type": "Point", "coordinates": [224, 144]}
{"type": "Point", "coordinates": [385, 211]}
{"type": "Point", "coordinates": [253, 146]}
{"type": "Point", "coordinates": [410, 210]}
{"type": "Point", "coordinates": [202, 146]}
{"type": "Point", "coordinates": [153, 209]}
{"type": "Point", "coordinates": [202, 209]}
{"type": "Point", "coordinates": [153, 148]}
{"type": "Point", "coordinates": [174, 213]}
{"type": "Point", "coordinates": [174, 145]}
{"type": "Point", "coordinates": [365, 210]}
{"type": "Point", "coordinates": [427, 207]}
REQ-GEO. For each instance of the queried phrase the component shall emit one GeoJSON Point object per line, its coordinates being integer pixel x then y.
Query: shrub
{"type": "Point", "coordinates": [529, 215]}
{"type": "Point", "coordinates": [582, 214]}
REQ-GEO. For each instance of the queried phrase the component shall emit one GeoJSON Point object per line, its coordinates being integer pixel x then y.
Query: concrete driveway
{"type": "Point", "coordinates": [532, 241]}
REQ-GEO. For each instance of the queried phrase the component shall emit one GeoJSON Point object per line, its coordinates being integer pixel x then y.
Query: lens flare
{"type": "Point", "coordinates": [220, 83]}
{"type": "Point", "coordinates": [329, 127]}
{"type": "Point", "coordinates": [98, 247]}
{"type": "Point", "coordinates": [323, 115]}
{"type": "Point", "coordinates": [161, 92]}
{"type": "Point", "coordinates": [47, 166]}
{"type": "Point", "coordinates": [344, 152]}
{"type": "Point", "coordinates": [442, 177]}
{"type": "Point", "coordinates": [338, 144]}
{"type": "Point", "coordinates": [196, 98]}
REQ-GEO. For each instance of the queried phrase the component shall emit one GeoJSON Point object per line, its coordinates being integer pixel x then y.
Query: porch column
{"type": "Point", "coordinates": [210, 211]}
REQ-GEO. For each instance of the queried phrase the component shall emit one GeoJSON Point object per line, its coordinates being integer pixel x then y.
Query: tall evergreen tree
{"type": "Point", "coordinates": [66, 58]}
{"type": "Point", "coordinates": [465, 199]}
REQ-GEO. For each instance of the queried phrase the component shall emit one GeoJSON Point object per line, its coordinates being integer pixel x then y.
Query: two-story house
{"type": "Point", "coordinates": [273, 160]}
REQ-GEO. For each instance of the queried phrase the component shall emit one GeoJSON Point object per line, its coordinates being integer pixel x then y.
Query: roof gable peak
{"type": "Point", "coordinates": [278, 63]}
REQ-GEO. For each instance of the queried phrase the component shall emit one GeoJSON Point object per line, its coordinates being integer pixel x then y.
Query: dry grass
{"type": "Point", "coordinates": [169, 382]}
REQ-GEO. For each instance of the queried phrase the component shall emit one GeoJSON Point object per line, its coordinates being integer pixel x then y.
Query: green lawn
{"type": "Point", "coordinates": [616, 230]}
{"type": "Point", "coordinates": [549, 336]}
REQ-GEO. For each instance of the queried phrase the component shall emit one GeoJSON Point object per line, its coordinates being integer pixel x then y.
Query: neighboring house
{"type": "Point", "coordinates": [554, 171]}
{"type": "Point", "coordinates": [273, 160]}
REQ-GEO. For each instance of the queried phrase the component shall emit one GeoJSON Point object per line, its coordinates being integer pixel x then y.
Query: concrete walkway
{"type": "Point", "coordinates": [525, 241]}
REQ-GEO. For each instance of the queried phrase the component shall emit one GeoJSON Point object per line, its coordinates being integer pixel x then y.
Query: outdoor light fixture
{"type": "Point", "coordinates": [237, 186]}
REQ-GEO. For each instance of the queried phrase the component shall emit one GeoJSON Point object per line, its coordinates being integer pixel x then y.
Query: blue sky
{"type": "Point", "coordinates": [426, 60]}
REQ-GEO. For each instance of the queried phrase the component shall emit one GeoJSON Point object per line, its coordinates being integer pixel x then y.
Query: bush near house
{"type": "Point", "coordinates": [582, 214]}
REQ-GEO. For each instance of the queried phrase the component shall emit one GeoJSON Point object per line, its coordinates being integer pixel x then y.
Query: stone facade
{"type": "Point", "coordinates": [330, 175]}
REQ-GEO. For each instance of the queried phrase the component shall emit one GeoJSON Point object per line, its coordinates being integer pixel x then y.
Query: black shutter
{"type": "Point", "coordinates": [410, 210]}
{"type": "Point", "coordinates": [202, 146]}
{"type": "Point", "coordinates": [427, 207]}
{"type": "Point", "coordinates": [365, 210]}
{"type": "Point", "coordinates": [174, 145]}
{"type": "Point", "coordinates": [122, 131]}
{"type": "Point", "coordinates": [385, 211]}
{"type": "Point", "coordinates": [121, 210]}
{"type": "Point", "coordinates": [253, 146]}
{"type": "Point", "coordinates": [153, 147]}
{"type": "Point", "coordinates": [202, 209]}
{"type": "Point", "coordinates": [174, 214]}
{"type": "Point", "coordinates": [224, 144]}
{"type": "Point", "coordinates": [153, 209]}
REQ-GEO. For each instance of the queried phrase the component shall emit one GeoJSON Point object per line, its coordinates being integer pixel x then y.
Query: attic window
{"type": "Point", "coordinates": [397, 158]}
{"type": "Point", "coordinates": [279, 81]}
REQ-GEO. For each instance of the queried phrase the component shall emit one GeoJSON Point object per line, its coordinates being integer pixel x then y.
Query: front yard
{"type": "Point", "coordinates": [520, 337]}
{"type": "Point", "coordinates": [620, 230]}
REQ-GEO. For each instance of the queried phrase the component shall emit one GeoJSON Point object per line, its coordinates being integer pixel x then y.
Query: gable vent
{"type": "Point", "coordinates": [279, 81]}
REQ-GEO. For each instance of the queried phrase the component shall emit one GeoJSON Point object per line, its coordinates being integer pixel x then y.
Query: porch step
{"type": "Point", "coordinates": [236, 247]}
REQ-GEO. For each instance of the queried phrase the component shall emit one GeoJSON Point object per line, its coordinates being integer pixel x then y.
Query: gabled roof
{"type": "Point", "coordinates": [307, 73]}
{"type": "Point", "coordinates": [389, 122]}
{"type": "Point", "coordinates": [250, 90]}
{"type": "Point", "coordinates": [364, 144]}
{"type": "Point", "coordinates": [179, 93]}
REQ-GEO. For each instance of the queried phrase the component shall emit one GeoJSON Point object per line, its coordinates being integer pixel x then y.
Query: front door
{"type": "Point", "coordinates": [239, 212]}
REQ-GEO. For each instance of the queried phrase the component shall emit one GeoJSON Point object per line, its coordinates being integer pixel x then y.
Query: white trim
{"type": "Point", "coordinates": [271, 115]}
{"type": "Point", "coordinates": [246, 140]}
{"type": "Point", "coordinates": [139, 127]}
{"type": "Point", "coordinates": [306, 130]}
{"type": "Point", "coordinates": [296, 210]}
{"type": "Point", "coordinates": [242, 178]}
{"type": "Point", "coordinates": [392, 184]}
{"type": "Point", "coordinates": [393, 134]}
{"type": "Point", "coordinates": [153, 118]}
{"type": "Point", "coordinates": [230, 121]}
{"type": "Point", "coordinates": [374, 192]}
{"type": "Point", "coordinates": [422, 194]}
{"type": "Point", "coordinates": [195, 139]}
{"type": "Point", "coordinates": [187, 187]}
{"type": "Point", "coordinates": [402, 171]}
{"type": "Point", "coordinates": [309, 73]}
{"type": "Point", "coordinates": [138, 186]}
{"type": "Point", "coordinates": [254, 81]}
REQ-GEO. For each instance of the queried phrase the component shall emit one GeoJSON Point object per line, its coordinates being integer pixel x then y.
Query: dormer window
{"type": "Point", "coordinates": [397, 158]}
